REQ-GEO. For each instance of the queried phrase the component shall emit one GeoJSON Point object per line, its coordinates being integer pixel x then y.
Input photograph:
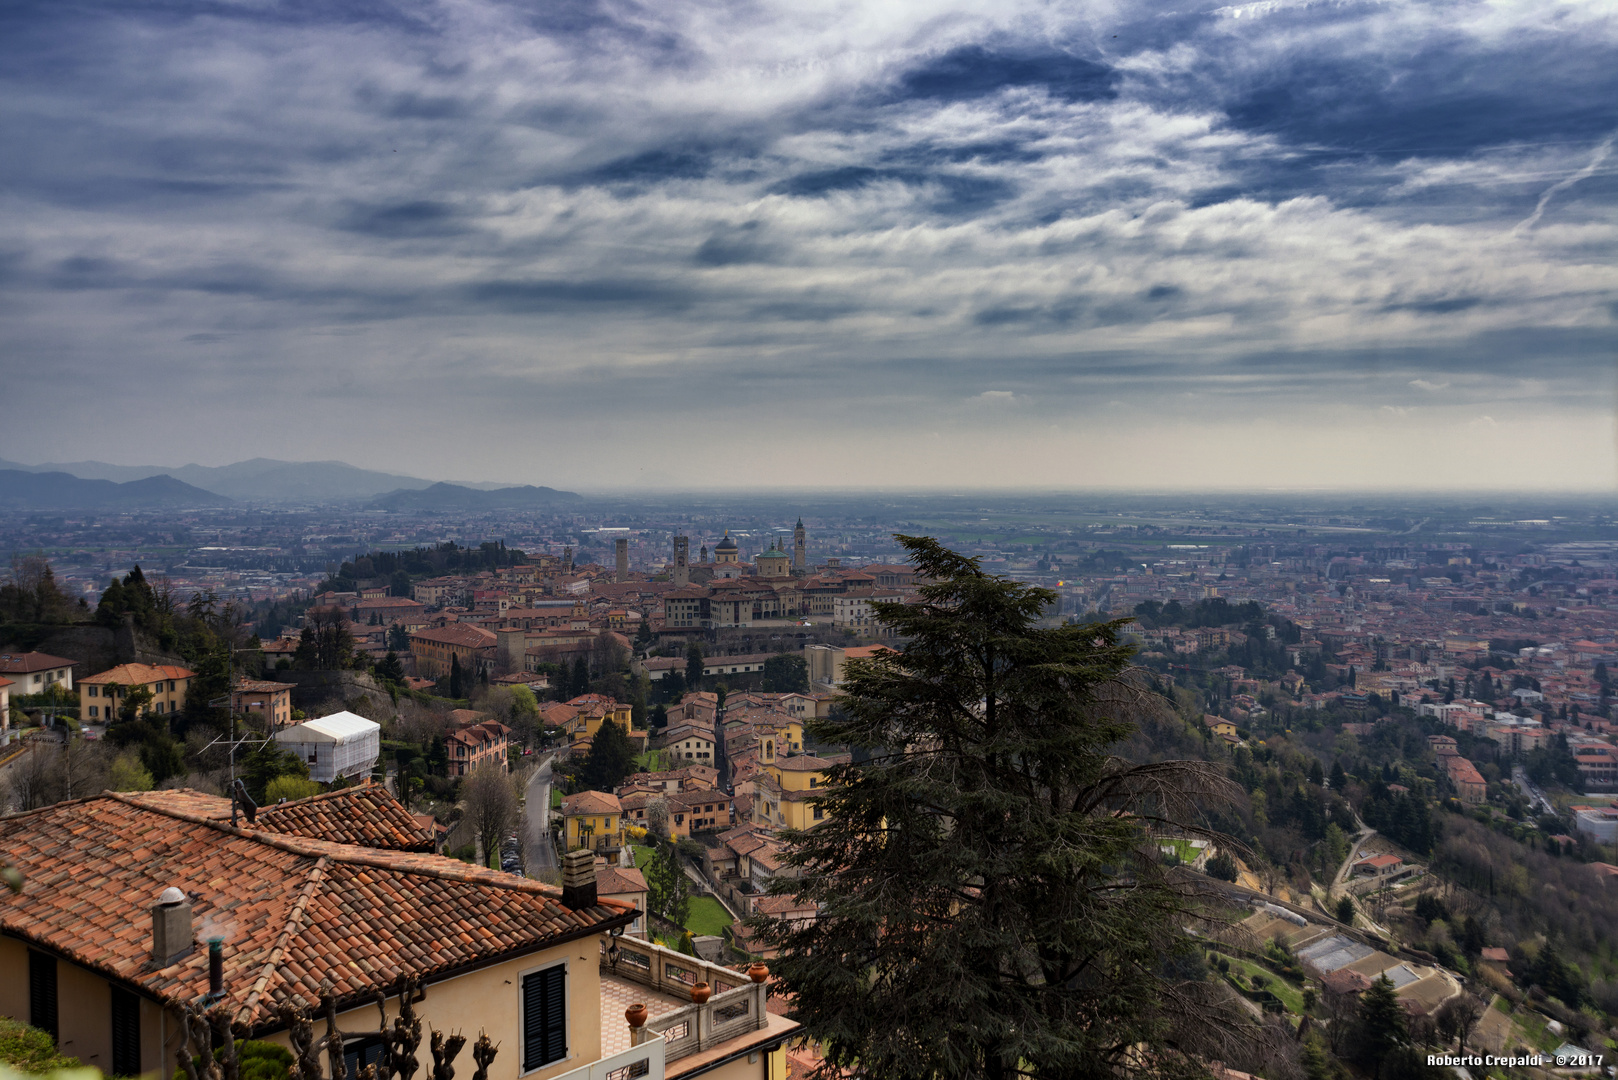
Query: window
{"type": "Point", "coordinates": [544, 1017]}
{"type": "Point", "coordinates": [42, 992]}
{"type": "Point", "coordinates": [125, 1033]}
{"type": "Point", "coordinates": [95, 691]}
{"type": "Point", "coordinates": [95, 711]}
{"type": "Point", "coordinates": [171, 686]}
{"type": "Point", "coordinates": [358, 1053]}
{"type": "Point", "coordinates": [820, 813]}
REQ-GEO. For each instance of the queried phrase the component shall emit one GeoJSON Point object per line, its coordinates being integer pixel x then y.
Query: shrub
{"type": "Point", "coordinates": [30, 1049]}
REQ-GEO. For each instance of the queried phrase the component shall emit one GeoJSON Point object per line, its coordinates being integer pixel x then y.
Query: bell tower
{"type": "Point", "coordinates": [800, 543]}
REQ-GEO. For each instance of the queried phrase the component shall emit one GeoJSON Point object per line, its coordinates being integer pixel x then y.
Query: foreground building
{"type": "Point", "coordinates": [125, 895]}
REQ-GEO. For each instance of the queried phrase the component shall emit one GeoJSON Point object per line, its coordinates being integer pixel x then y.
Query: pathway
{"type": "Point", "coordinates": [539, 854]}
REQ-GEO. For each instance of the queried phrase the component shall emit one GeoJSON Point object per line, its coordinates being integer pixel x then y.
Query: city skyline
{"type": "Point", "coordinates": [603, 247]}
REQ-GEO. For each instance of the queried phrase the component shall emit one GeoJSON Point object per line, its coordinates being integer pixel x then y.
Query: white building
{"type": "Point", "coordinates": [341, 744]}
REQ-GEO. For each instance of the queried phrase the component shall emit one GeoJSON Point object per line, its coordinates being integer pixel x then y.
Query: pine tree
{"type": "Point", "coordinates": [454, 676]}
{"type": "Point", "coordinates": [693, 666]}
{"type": "Point", "coordinates": [1317, 776]}
{"type": "Point", "coordinates": [580, 682]}
{"type": "Point", "coordinates": [1339, 778]}
{"type": "Point", "coordinates": [1345, 910]}
{"type": "Point", "coordinates": [1381, 1024]}
{"type": "Point", "coordinates": [984, 857]}
{"type": "Point", "coordinates": [611, 758]}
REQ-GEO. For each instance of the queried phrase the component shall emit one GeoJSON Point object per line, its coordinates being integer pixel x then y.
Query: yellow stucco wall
{"type": "Point", "coordinates": [84, 1011]}
{"type": "Point", "coordinates": [489, 999]}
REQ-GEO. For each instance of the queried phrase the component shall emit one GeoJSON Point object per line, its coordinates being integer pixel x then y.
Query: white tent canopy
{"type": "Point", "coordinates": [341, 744]}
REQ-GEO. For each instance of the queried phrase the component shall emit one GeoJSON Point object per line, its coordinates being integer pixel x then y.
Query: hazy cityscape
{"type": "Point", "coordinates": [594, 540]}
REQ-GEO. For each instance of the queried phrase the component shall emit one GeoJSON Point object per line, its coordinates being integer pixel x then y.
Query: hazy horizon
{"type": "Point", "coordinates": [598, 245]}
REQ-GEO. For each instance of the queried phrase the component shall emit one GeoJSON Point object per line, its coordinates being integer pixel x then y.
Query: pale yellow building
{"type": "Point", "coordinates": [540, 970]}
{"type": "Point", "coordinates": [593, 820]}
{"type": "Point", "coordinates": [786, 792]}
{"type": "Point", "coordinates": [101, 696]}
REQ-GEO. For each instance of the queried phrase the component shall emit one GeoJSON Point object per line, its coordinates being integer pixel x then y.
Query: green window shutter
{"type": "Point", "coordinates": [42, 992]}
{"type": "Point", "coordinates": [125, 1033]}
{"type": "Point", "coordinates": [544, 1009]}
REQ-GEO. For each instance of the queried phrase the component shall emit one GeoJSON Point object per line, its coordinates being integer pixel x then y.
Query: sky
{"type": "Point", "coordinates": [601, 244]}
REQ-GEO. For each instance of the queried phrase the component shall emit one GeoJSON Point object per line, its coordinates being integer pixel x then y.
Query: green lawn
{"type": "Point", "coordinates": [556, 797]}
{"type": "Point", "coordinates": [650, 761]}
{"type": "Point", "coordinates": [1291, 997]}
{"type": "Point", "coordinates": [643, 855]}
{"type": "Point", "coordinates": [707, 916]}
{"type": "Point", "coordinates": [1180, 847]}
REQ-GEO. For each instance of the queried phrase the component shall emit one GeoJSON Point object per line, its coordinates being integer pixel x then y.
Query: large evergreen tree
{"type": "Point", "coordinates": [991, 904]}
{"type": "Point", "coordinates": [1381, 1024]}
{"type": "Point", "coordinates": [611, 758]}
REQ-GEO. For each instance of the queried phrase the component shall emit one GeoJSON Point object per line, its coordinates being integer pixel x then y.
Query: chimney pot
{"type": "Point", "coordinates": [216, 968]}
{"type": "Point", "coordinates": [579, 879]}
{"type": "Point", "coordinates": [171, 927]}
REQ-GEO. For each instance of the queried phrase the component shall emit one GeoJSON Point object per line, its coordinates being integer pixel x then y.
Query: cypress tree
{"type": "Point", "coordinates": [454, 676]}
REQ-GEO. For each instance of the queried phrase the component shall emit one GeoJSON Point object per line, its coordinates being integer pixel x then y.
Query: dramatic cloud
{"type": "Point", "coordinates": [1230, 246]}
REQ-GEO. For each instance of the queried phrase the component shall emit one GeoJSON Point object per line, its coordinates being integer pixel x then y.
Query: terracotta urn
{"type": "Point", "coordinates": [758, 972]}
{"type": "Point", "coordinates": [700, 993]}
{"type": "Point", "coordinates": [636, 1015]}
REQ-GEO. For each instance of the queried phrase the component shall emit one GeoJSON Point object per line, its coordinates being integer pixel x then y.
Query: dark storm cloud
{"type": "Point", "coordinates": [957, 208]}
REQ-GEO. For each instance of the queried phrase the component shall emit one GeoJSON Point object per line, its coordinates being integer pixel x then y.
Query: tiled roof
{"type": "Point", "coordinates": [367, 815]}
{"type": "Point", "coordinates": [25, 663]}
{"type": "Point", "coordinates": [134, 674]}
{"type": "Point", "coordinates": [613, 880]}
{"type": "Point", "coordinates": [590, 802]}
{"type": "Point", "coordinates": [260, 686]}
{"type": "Point", "coordinates": [293, 911]}
{"type": "Point", "coordinates": [457, 634]}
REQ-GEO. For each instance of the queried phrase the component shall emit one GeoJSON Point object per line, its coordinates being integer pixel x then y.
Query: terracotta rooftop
{"type": "Point", "coordinates": [293, 911]}
{"type": "Point", "coordinates": [367, 815]}
{"type": "Point", "coordinates": [25, 663]}
{"type": "Point", "coordinates": [590, 802]}
{"type": "Point", "coordinates": [135, 674]}
{"type": "Point", "coordinates": [262, 686]}
{"type": "Point", "coordinates": [612, 880]}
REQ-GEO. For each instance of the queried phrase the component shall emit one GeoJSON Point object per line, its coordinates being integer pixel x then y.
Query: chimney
{"type": "Point", "coordinates": [216, 968]}
{"type": "Point", "coordinates": [171, 926]}
{"type": "Point", "coordinates": [244, 801]}
{"type": "Point", "coordinates": [579, 880]}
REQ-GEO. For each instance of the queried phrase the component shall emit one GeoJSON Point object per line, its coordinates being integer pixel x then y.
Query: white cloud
{"type": "Point", "coordinates": [1424, 384]}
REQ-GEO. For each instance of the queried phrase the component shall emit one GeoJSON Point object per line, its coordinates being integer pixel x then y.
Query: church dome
{"type": "Point", "coordinates": [727, 544]}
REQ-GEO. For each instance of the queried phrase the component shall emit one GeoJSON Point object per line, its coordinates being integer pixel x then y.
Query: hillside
{"type": "Point", "coordinates": [60, 491]}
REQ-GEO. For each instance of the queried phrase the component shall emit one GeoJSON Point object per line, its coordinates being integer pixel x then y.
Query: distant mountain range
{"type": "Point", "coordinates": [458, 497]}
{"type": "Point", "coordinates": [258, 480]}
{"type": "Point", "coordinates": [60, 491]}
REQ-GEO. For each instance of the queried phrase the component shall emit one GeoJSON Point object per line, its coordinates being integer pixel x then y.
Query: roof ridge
{"type": "Point", "coordinates": [355, 854]}
{"type": "Point", "coordinates": [317, 877]}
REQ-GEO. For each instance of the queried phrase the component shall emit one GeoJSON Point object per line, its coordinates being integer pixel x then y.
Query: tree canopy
{"type": "Point", "coordinates": [985, 856]}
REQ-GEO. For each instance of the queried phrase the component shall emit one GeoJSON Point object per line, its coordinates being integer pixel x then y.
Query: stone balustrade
{"type": "Point", "coordinates": [737, 1004]}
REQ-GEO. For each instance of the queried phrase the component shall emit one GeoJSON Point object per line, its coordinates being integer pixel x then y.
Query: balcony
{"type": "Point", "coordinates": [734, 1018]}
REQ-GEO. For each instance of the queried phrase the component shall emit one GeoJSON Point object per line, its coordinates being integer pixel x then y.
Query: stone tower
{"type": "Point", "coordinates": [800, 544]}
{"type": "Point", "coordinates": [682, 561]}
{"type": "Point", "coordinates": [622, 574]}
